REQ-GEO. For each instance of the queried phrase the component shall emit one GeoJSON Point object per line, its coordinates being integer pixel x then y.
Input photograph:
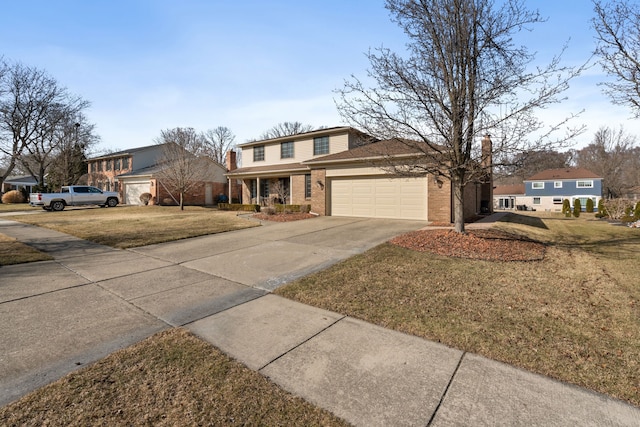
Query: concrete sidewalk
{"type": "Point", "coordinates": [91, 300]}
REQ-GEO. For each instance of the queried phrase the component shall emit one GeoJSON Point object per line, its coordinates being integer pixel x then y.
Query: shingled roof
{"type": "Point", "coordinates": [374, 150]}
{"type": "Point", "coordinates": [564, 173]}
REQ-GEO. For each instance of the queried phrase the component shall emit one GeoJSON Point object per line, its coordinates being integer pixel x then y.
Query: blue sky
{"type": "Point", "coordinates": [148, 65]}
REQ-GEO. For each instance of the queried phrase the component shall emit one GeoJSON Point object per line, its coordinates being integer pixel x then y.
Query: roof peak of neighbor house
{"type": "Point", "coordinates": [127, 152]}
{"type": "Point", "coordinates": [563, 173]}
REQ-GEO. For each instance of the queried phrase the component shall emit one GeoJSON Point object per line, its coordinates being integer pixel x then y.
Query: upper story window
{"type": "Point", "coordinates": [117, 166]}
{"type": "Point", "coordinates": [258, 153]}
{"type": "Point", "coordinates": [584, 184]}
{"type": "Point", "coordinates": [286, 150]}
{"type": "Point", "coordinates": [537, 185]}
{"type": "Point", "coordinates": [125, 163]}
{"type": "Point", "coordinates": [321, 145]}
{"type": "Point", "coordinates": [557, 184]}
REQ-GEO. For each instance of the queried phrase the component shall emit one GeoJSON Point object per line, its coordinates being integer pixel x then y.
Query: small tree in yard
{"type": "Point", "coordinates": [589, 207]}
{"type": "Point", "coordinates": [181, 168]}
{"type": "Point", "coordinates": [281, 191]}
{"type": "Point", "coordinates": [576, 208]}
{"type": "Point", "coordinates": [566, 207]}
{"type": "Point", "coordinates": [463, 77]}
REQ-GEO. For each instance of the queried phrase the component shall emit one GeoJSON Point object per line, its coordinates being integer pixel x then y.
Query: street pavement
{"type": "Point", "coordinates": [91, 300]}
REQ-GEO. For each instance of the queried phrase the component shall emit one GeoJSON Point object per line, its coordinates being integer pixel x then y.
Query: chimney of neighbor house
{"type": "Point", "coordinates": [487, 146]}
{"type": "Point", "coordinates": [231, 163]}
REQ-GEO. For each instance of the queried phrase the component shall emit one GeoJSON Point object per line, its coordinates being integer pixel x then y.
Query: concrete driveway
{"type": "Point", "coordinates": [91, 300]}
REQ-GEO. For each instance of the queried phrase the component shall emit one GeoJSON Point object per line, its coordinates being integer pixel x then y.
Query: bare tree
{"type": "Point", "coordinates": [32, 107]}
{"type": "Point", "coordinates": [527, 163]}
{"type": "Point", "coordinates": [76, 137]}
{"type": "Point", "coordinates": [180, 167]}
{"type": "Point", "coordinates": [281, 190]}
{"type": "Point", "coordinates": [286, 129]}
{"type": "Point", "coordinates": [463, 78]}
{"type": "Point", "coordinates": [217, 142]}
{"type": "Point", "coordinates": [618, 36]}
{"type": "Point", "coordinates": [610, 155]}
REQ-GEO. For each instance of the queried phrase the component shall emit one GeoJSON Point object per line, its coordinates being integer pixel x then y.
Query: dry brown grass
{"type": "Point", "coordinates": [574, 316]}
{"type": "Point", "coordinates": [170, 379]}
{"type": "Point", "coordinates": [14, 252]}
{"type": "Point", "coordinates": [127, 227]}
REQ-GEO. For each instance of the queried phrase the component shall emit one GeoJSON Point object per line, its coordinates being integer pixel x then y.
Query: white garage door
{"type": "Point", "coordinates": [400, 198]}
{"type": "Point", "coordinates": [132, 192]}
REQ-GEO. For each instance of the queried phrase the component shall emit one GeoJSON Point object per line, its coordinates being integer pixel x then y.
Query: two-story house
{"type": "Point", "coordinates": [335, 171]}
{"type": "Point", "coordinates": [135, 171]}
{"type": "Point", "coordinates": [547, 190]}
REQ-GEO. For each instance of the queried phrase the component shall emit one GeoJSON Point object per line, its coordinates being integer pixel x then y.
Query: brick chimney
{"type": "Point", "coordinates": [230, 161]}
{"type": "Point", "coordinates": [487, 147]}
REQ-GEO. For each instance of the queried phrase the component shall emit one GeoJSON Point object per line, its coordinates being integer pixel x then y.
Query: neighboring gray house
{"type": "Point", "coordinates": [19, 182]}
{"type": "Point", "coordinates": [546, 190]}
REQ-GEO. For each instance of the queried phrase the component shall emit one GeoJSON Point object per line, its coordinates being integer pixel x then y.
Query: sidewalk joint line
{"type": "Point", "coordinates": [446, 390]}
{"type": "Point", "coordinates": [302, 343]}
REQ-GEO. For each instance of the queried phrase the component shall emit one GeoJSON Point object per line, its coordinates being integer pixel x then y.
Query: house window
{"type": "Point", "coordinates": [557, 184]}
{"type": "Point", "coordinates": [557, 200]}
{"type": "Point", "coordinates": [125, 163]}
{"type": "Point", "coordinates": [537, 185]}
{"type": "Point", "coordinates": [536, 200]}
{"type": "Point", "coordinates": [321, 145]}
{"type": "Point", "coordinates": [117, 167]}
{"type": "Point", "coordinates": [258, 153]}
{"type": "Point", "coordinates": [286, 150]}
{"type": "Point", "coordinates": [584, 184]}
{"type": "Point", "coordinates": [264, 188]}
{"type": "Point", "coordinates": [307, 186]}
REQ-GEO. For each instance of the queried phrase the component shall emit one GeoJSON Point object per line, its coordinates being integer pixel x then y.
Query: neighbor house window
{"type": "Point", "coordinates": [557, 200]}
{"type": "Point", "coordinates": [253, 188]}
{"type": "Point", "coordinates": [584, 184]}
{"type": "Point", "coordinates": [307, 186]}
{"type": "Point", "coordinates": [117, 167]}
{"type": "Point", "coordinates": [537, 185]}
{"type": "Point", "coordinates": [125, 163]}
{"type": "Point", "coordinates": [557, 184]}
{"type": "Point", "coordinates": [258, 153]}
{"type": "Point", "coordinates": [536, 200]}
{"type": "Point", "coordinates": [321, 145]}
{"type": "Point", "coordinates": [286, 150]}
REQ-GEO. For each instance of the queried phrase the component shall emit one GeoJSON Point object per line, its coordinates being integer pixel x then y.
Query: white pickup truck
{"type": "Point", "coordinates": [74, 195]}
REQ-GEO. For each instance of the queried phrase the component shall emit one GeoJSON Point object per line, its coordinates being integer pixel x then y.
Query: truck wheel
{"type": "Point", "coordinates": [112, 203]}
{"type": "Point", "coordinates": [57, 206]}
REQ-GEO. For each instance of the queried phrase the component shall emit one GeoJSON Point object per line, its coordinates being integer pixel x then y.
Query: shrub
{"type": "Point", "coordinates": [268, 210]}
{"type": "Point", "coordinates": [13, 196]}
{"type": "Point", "coordinates": [602, 212]}
{"type": "Point", "coordinates": [636, 211]}
{"type": "Point", "coordinates": [307, 208]}
{"type": "Point", "coordinates": [577, 207]}
{"type": "Point", "coordinates": [238, 207]}
{"type": "Point", "coordinates": [145, 197]}
{"type": "Point", "coordinates": [589, 205]}
{"type": "Point", "coordinates": [566, 208]}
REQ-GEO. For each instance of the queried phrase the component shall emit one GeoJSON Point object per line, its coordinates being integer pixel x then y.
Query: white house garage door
{"type": "Point", "coordinates": [380, 197]}
{"type": "Point", "coordinates": [132, 192]}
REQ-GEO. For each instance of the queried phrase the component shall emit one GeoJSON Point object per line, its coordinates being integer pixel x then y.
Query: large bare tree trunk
{"type": "Point", "coordinates": [457, 185]}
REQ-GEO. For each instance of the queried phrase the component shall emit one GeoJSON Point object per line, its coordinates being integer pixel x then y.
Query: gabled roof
{"type": "Point", "coordinates": [564, 173]}
{"type": "Point", "coordinates": [375, 150]}
{"type": "Point", "coordinates": [127, 152]}
{"type": "Point", "coordinates": [325, 131]}
{"type": "Point", "coordinates": [505, 190]}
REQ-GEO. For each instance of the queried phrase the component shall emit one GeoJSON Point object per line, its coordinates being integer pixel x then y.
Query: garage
{"type": "Point", "coordinates": [380, 197]}
{"type": "Point", "coordinates": [133, 190]}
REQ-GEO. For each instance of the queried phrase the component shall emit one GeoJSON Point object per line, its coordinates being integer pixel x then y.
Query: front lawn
{"type": "Point", "coordinates": [133, 226]}
{"type": "Point", "coordinates": [574, 316]}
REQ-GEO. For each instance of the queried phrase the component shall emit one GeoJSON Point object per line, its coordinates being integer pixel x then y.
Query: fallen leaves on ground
{"type": "Point", "coordinates": [489, 245]}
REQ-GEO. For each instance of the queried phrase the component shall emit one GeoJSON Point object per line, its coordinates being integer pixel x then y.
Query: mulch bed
{"type": "Point", "coordinates": [489, 245]}
{"type": "Point", "coordinates": [283, 217]}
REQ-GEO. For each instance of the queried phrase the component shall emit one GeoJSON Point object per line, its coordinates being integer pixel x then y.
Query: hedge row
{"type": "Point", "coordinates": [238, 207]}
